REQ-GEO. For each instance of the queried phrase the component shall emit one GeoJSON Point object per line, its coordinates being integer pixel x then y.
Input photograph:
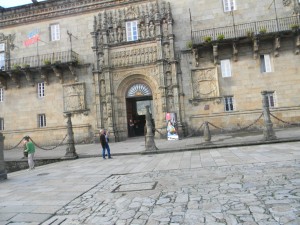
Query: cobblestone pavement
{"type": "Point", "coordinates": [230, 186]}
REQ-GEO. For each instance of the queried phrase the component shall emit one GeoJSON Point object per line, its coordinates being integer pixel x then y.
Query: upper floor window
{"type": "Point", "coordinates": [132, 30]}
{"type": "Point", "coordinates": [42, 120]}
{"type": "Point", "coordinates": [41, 90]}
{"type": "Point", "coordinates": [1, 94]}
{"type": "Point", "coordinates": [229, 5]}
{"type": "Point", "coordinates": [2, 56]}
{"type": "Point", "coordinates": [228, 103]}
{"type": "Point", "coordinates": [265, 63]}
{"type": "Point", "coordinates": [226, 68]}
{"type": "Point", "coordinates": [54, 32]}
{"type": "Point", "coordinates": [271, 99]}
{"type": "Point", "coordinates": [1, 124]}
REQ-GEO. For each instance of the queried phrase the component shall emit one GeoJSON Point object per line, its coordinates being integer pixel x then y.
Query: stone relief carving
{"type": "Point", "coordinates": [205, 83]}
{"type": "Point", "coordinates": [74, 97]}
{"type": "Point", "coordinates": [138, 55]}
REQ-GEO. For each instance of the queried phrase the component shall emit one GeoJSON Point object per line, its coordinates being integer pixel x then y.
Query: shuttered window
{"type": "Point", "coordinates": [226, 68]}
{"type": "Point", "coordinates": [229, 5]}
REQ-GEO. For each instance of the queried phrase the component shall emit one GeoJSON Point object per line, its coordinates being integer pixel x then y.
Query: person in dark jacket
{"type": "Point", "coordinates": [103, 141]}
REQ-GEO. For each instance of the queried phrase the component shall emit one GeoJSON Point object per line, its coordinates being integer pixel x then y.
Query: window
{"type": "Point", "coordinates": [226, 68]}
{"type": "Point", "coordinates": [229, 5]}
{"type": "Point", "coordinates": [54, 32]}
{"type": "Point", "coordinates": [228, 103]}
{"type": "Point", "coordinates": [131, 31]}
{"type": "Point", "coordinates": [1, 124]}
{"type": "Point", "coordinates": [1, 94]}
{"type": "Point", "coordinates": [41, 90]}
{"type": "Point", "coordinates": [2, 56]}
{"type": "Point", "coordinates": [265, 63]}
{"type": "Point", "coordinates": [271, 99]}
{"type": "Point", "coordinates": [42, 120]}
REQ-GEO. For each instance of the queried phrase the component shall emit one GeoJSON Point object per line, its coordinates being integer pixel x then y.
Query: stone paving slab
{"type": "Point", "coordinates": [243, 194]}
{"type": "Point", "coordinates": [239, 185]}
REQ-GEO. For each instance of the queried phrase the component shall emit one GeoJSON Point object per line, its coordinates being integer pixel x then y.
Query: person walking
{"type": "Point", "coordinates": [30, 149]}
{"type": "Point", "coordinates": [104, 144]}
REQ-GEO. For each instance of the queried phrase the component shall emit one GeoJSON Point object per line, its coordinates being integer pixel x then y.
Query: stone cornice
{"type": "Point", "coordinates": [53, 9]}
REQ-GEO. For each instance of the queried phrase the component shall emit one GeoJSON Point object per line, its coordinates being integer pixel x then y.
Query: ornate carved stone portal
{"type": "Point", "coordinates": [133, 39]}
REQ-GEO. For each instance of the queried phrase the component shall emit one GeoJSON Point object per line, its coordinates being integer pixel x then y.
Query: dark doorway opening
{"type": "Point", "coordinates": [136, 114]}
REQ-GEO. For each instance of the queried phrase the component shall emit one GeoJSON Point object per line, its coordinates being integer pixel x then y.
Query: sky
{"type": "Point", "coordinates": [13, 3]}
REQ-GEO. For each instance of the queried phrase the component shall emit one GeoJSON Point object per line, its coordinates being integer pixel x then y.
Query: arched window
{"type": "Point", "coordinates": [137, 90]}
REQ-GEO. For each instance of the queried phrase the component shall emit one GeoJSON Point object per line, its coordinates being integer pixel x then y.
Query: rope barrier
{"type": "Point", "coordinates": [291, 124]}
{"type": "Point", "coordinates": [192, 134]}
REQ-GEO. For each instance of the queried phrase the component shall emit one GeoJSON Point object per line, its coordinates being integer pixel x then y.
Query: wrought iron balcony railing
{"type": "Point", "coordinates": [40, 60]}
{"type": "Point", "coordinates": [246, 29]}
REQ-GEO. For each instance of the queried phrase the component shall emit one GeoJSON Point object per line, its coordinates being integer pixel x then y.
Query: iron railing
{"type": "Point", "coordinates": [40, 60]}
{"type": "Point", "coordinates": [246, 29]}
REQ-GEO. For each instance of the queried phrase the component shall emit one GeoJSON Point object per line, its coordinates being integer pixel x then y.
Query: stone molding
{"type": "Point", "coordinates": [54, 9]}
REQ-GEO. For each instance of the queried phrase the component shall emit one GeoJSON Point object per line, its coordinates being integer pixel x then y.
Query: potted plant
{"type": "Point", "coordinates": [25, 66]}
{"type": "Point", "coordinates": [263, 30]}
{"type": "Point", "coordinates": [47, 62]}
{"type": "Point", "coordinates": [16, 67]}
{"type": "Point", "coordinates": [189, 44]}
{"type": "Point", "coordinates": [207, 39]}
{"type": "Point", "coordinates": [249, 34]}
{"type": "Point", "coordinates": [294, 27]}
{"type": "Point", "coordinates": [220, 37]}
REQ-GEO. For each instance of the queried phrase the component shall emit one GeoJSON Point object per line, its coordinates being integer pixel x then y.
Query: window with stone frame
{"type": "Point", "coordinates": [41, 90]}
{"type": "Point", "coordinates": [271, 99]}
{"type": "Point", "coordinates": [229, 5]}
{"type": "Point", "coordinates": [226, 68]}
{"type": "Point", "coordinates": [265, 63]}
{"type": "Point", "coordinates": [2, 56]}
{"type": "Point", "coordinates": [54, 32]}
{"type": "Point", "coordinates": [1, 123]}
{"type": "Point", "coordinates": [132, 30]}
{"type": "Point", "coordinates": [42, 120]}
{"type": "Point", "coordinates": [1, 94]}
{"type": "Point", "coordinates": [228, 103]}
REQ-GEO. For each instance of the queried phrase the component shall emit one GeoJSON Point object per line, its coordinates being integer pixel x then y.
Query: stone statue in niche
{"type": "Point", "coordinates": [111, 36]}
{"type": "Point", "coordinates": [151, 29]}
{"type": "Point", "coordinates": [167, 51]}
{"type": "Point", "coordinates": [119, 34]}
{"type": "Point", "coordinates": [165, 28]}
{"type": "Point", "coordinates": [143, 31]}
{"type": "Point", "coordinates": [102, 87]}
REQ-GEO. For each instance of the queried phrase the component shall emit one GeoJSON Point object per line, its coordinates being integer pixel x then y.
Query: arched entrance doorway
{"type": "Point", "coordinates": [138, 96]}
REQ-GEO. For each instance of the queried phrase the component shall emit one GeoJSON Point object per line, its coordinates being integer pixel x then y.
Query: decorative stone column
{"type": "Point", "coordinates": [3, 173]}
{"type": "Point", "coordinates": [206, 133]}
{"type": "Point", "coordinates": [268, 128]}
{"type": "Point", "coordinates": [70, 151]}
{"type": "Point", "coordinates": [149, 141]}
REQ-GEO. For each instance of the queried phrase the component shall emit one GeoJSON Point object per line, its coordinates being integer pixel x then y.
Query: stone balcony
{"type": "Point", "coordinates": [246, 30]}
{"type": "Point", "coordinates": [39, 65]}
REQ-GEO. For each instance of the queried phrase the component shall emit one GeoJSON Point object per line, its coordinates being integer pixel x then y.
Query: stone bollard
{"type": "Point", "coordinates": [3, 173]}
{"type": "Point", "coordinates": [149, 139]}
{"type": "Point", "coordinates": [70, 151]}
{"type": "Point", "coordinates": [268, 131]}
{"type": "Point", "coordinates": [206, 133]}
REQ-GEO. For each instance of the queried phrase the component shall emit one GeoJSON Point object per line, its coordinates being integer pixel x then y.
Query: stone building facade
{"type": "Point", "coordinates": [103, 61]}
